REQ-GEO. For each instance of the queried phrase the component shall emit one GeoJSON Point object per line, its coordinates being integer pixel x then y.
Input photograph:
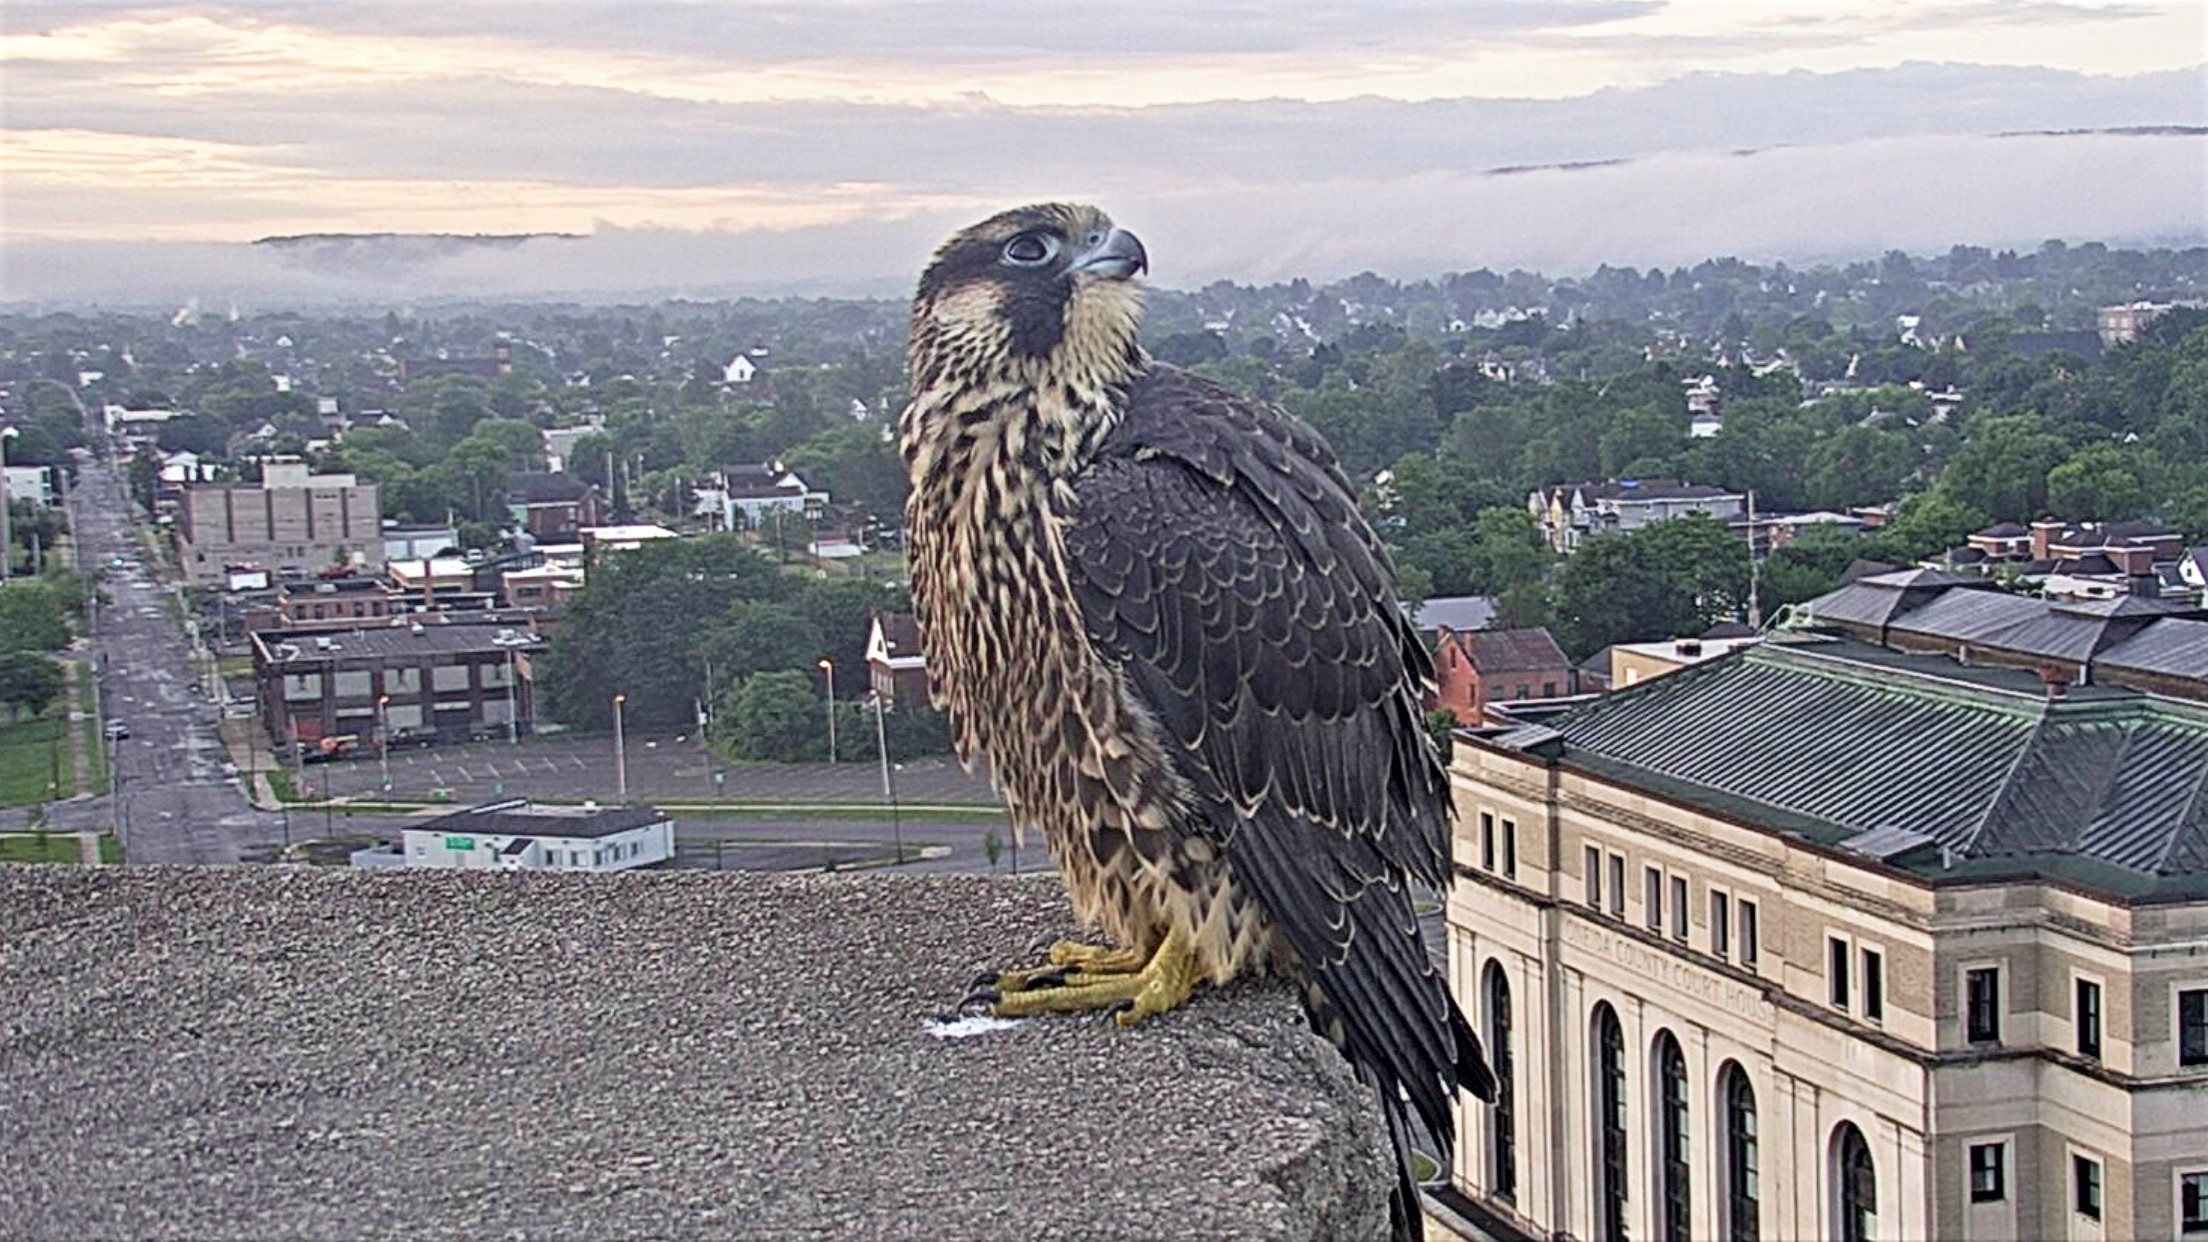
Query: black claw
{"type": "Point", "coordinates": [980, 998]}
{"type": "Point", "coordinates": [987, 979]}
{"type": "Point", "coordinates": [1118, 1008]}
{"type": "Point", "coordinates": [1055, 978]}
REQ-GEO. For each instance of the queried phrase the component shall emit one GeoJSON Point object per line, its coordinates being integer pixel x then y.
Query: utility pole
{"type": "Point", "coordinates": [1755, 610]}
{"type": "Point", "coordinates": [7, 537]}
{"type": "Point", "coordinates": [620, 752]}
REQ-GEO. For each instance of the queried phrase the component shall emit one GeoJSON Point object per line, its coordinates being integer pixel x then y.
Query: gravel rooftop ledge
{"type": "Point", "coordinates": [283, 1052]}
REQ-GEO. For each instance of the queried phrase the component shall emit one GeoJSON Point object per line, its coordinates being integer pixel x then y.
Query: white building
{"type": "Point", "coordinates": [751, 495]}
{"type": "Point", "coordinates": [625, 538]}
{"type": "Point", "coordinates": [32, 483]}
{"type": "Point", "coordinates": [520, 835]}
{"type": "Point", "coordinates": [185, 466]}
{"type": "Point", "coordinates": [137, 426]}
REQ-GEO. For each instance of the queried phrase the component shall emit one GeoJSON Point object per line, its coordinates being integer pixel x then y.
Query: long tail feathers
{"type": "Point", "coordinates": [1406, 1217]}
{"type": "Point", "coordinates": [1472, 1071]}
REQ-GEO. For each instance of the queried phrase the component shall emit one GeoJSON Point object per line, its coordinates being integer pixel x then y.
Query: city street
{"type": "Point", "coordinates": [175, 800]}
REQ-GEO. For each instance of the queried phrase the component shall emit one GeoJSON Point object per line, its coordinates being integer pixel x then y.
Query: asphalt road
{"type": "Point", "coordinates": [174, 799]}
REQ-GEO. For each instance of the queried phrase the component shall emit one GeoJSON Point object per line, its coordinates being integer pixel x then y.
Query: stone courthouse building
{"type": "Point", "coordinates": [1825, 940]}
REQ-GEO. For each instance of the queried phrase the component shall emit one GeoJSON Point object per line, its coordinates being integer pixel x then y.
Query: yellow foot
{"type": "Point", "coordinates": [1086, 979]}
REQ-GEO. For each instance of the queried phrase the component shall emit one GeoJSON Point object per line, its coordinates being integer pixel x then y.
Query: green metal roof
{"type": "Point", "coordinates": [1836, 739]}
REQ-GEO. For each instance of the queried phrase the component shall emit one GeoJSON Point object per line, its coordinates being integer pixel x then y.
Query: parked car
{"type": "Point", "coordinates": [117, 730]}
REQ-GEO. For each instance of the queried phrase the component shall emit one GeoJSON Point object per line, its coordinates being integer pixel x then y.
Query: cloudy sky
{"type": "Point", "coordinates": [716, 145]}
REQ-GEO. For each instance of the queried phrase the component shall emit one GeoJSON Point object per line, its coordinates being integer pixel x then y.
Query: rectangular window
{"type": "Point", "coordinates": [2192, 1202]}
{"type": "Point", "coordinates": [1591, 876]}
{"type": "Point", "coordinates": [1617, 885]}
{"type": "Point", "coordinates": [2085, 1181]}
{"type": "Point", "coordinates": [1874, 985]}
{"type": "Point", "coordinates": [1652, 896]}
{"type": "Point", "coordinates": [2192, 1026]}
{"type": "Point", "coordinates": [1679, 907]}
{"type": "Point", "coordinates": [1836, 971]}
{"type": "Point", "coordinates": [2088, 1019]}
{"type": "Point", "coordinates": [1988, 1172]}
{"type": "Point", "coordinates": [1982, 1005]}
{"type": "Point", "coordinates": [1510, 849]}
{"type": "Point", "coordinates": [1721, 925]}
{"type": "Point", "coordinates": [1750, 934]}
{"type": "Point", "coordinates": [1487, 841]}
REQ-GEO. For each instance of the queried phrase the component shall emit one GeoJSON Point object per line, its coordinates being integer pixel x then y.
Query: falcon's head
{"type": "Point", "coordinates": [1035, 293]}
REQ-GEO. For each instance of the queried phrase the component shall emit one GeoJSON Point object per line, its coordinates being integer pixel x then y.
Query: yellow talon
{"type": "Point", "coordinates": [1095, 959]}
{"type": "Point", "coordinates": [1086, 978]}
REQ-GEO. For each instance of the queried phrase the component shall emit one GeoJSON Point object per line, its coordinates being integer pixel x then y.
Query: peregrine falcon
{"type": "Point", "coordinates": [1150, 606]}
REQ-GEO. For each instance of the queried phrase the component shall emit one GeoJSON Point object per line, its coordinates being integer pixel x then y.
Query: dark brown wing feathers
{"type": "Point", "coordinates": [1220, 561]}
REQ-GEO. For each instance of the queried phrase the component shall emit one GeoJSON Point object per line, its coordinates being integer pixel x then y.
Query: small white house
{"type": "Point", "coordinates": [740, 370]}
{"type": "Point", "coordinates": [32, 483]}
{"type": "Point", "coordinates": [520, 835]}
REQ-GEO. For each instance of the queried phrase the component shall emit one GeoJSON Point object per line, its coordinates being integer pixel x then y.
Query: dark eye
{"type": "Point", "coordinates": [1030, 249]}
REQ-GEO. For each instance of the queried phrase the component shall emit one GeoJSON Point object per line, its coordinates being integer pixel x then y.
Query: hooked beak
{"type": "Point", "coordinates": [1118, 256]}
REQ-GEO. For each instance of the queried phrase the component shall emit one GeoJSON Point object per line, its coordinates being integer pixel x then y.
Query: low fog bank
{"type": "Point", "coordinates": [1801, 204]}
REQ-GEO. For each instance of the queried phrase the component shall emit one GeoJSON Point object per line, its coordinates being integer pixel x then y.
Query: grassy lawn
{"type": "Point", "coordinates": [57, 847]}
{"type": "Point", "coordinates": [280, 780]}
{"type": "Point", "coordinates": [93, 741]}
{"type": "Point", "coordinates": [27, 754]}
{"type": "Point", "coordinates": [235, 666]}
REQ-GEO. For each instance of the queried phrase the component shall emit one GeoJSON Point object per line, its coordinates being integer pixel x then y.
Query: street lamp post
{"type": "Point", "coordinates": [620, 753]}
{"type": "Point", "coordinates": [889, 787]}
{"type": "Point", "coordinates": [828, 666]}
{"type": "Point", "coordinates": [383, 739]}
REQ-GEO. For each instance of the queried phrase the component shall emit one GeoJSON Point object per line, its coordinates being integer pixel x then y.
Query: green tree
{"type": "Point", "coordinates": [758, 636]}
{"type": "Point", "coordinates": [1508, 550]}
{"type": "Point", "coordinates": [34, 616]}
{"type": "Point", "coordinates": [144, 480]}
{"type": "Point", "coordinates": [1807, 566]}
{"type": "Point", "coordinates": [2097, 484]}
{"type": "Point", "coordinates": [776, 716]}
{"type": "Point", "coordinates": [2001, 470]}
{"type": "Point", "coordinates": [1672, 578]}
{"type": "Point", "coordinates": [858, 469]}
{"type": "Point", "coordinates": [1932, 522]}
{"type": "Point", "coordinates": [29, 682]}
{"type": "Point", "coordinates": [1859, 465]}
{"type": "Point", "coordinates": [633, 629]}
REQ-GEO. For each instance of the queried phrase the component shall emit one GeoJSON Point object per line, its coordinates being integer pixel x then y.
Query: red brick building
{"type": "Point", "coordinates": [1478, 667]}
{"type": "Point", "coordinates": [896, 670]}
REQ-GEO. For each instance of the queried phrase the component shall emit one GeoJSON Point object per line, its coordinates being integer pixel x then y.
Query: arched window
{"type": "Point", "coordinates": [1609, 1093]}
{"type": "Point", "coordinates": [1675, 1199]}
{"type": "Point", "coordinates": [1742, 1193]}
{"type": "Point", "coordinates": [1502, 1135]}
{"type": "Point", "coordinates": [1855, 1182]}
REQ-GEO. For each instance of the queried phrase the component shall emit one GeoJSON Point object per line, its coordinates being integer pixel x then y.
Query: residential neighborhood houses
{"type": "Point", "coordinates": [1870, 865]}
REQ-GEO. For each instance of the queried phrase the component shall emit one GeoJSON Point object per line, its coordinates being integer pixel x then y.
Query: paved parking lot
{"type": "Point", "coordinates": [571, 767]}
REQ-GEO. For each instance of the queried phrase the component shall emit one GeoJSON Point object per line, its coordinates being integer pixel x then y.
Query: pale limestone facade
{"type": "Point", "coordinates": [292, 521]}
{"type": "Point", "coordinates": [1903, 1070]}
